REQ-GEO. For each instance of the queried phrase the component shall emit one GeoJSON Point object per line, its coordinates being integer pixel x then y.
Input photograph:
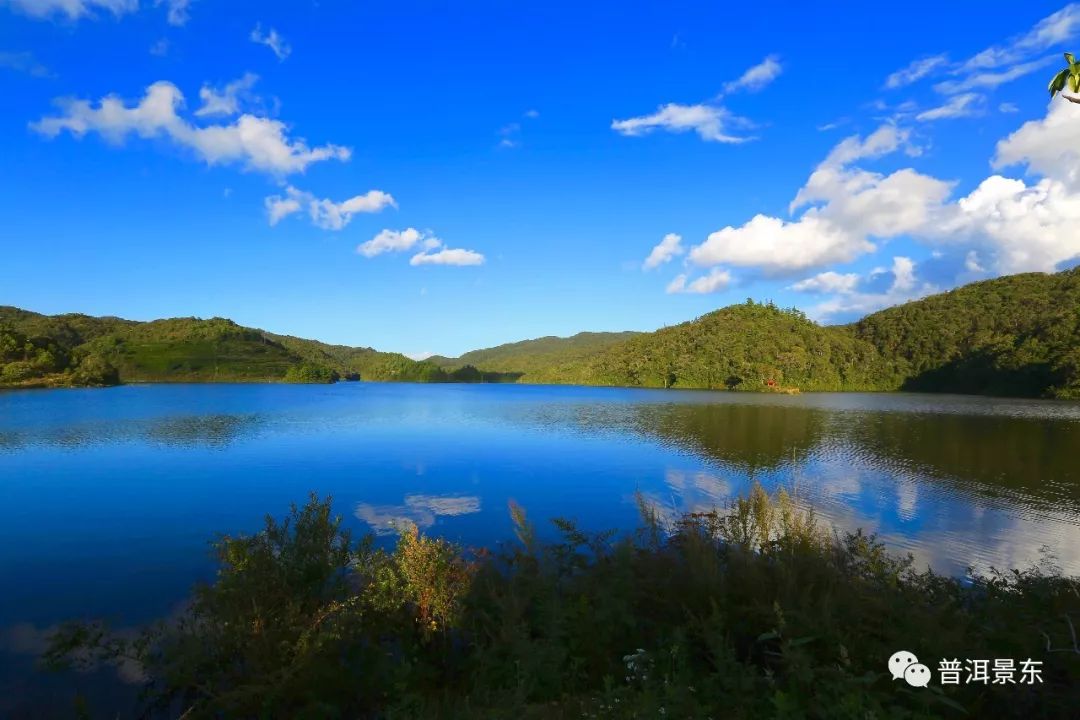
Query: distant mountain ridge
{"type": "Point", "coordinates": [1014, 335]}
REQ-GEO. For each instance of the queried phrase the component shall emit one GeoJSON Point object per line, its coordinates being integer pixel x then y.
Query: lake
{"type": "Point", "coordinates": [109, 497]}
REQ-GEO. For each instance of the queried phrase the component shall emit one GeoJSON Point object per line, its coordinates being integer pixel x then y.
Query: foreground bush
{"type": "Point", "coordinates": [751, 613]}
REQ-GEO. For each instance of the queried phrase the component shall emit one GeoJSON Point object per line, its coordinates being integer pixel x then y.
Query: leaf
{"type": "Point", "coordinates": [1074, 82]}
{"type": "Point", "coordinates": [1069, 58]}
{"type": "Point", "coordinates": [1057, 84]}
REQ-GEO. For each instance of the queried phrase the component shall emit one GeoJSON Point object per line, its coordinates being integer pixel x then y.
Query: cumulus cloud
{"type": "Point", "coordinates": [257, 143]}
{"type": "Point", "coordinates": [325, 213]}
{"type": "Point", "coordinates": [958, 106]}
{"type": "Point", "coordinates": [903, 285]}
{"type": "Point", "coordinates": [396, 241]}
{"type": "Point", "coordinates": [279, 207]}
{"type": "Point", "coordinates": [708, 121]}
{"type": "Point", "coordinates": [433, 251]}
{"type": "Point", "coordinates": [916, 70]}
{"type": "Point", "coordinates": [668, 248]}
{"type": "Point", "coordinates": [1049, 147]}
{"type": "Point", "coordinates": [1013, 226]}
{"type": "Point", "coordinates": [827, 282]}
{"type": "Point", "coordinates": [272, 40]}
{"type": "Point", "coordinates": [1023, 228]}
{"type": "Point", "coordinates": [226, 100]}
{"type": "Point", "coordinates": [757, 77]}
{"type": "Point", "coordinates": [776, 245]}
{"type": "Point", "coordinates": [1008, 107]}
{"type": "Point", "coordinates": [715, 281]}
{"type": "Point", "coordinates": [448, 256]}
{"type": "Point", "coordinates": [71, 9]}
{"type": "Point", "coordinates": [848, 207]}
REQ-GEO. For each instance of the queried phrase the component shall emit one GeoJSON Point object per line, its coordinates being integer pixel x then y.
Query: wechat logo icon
{"type": "Point", "coordinates": [904, 665]}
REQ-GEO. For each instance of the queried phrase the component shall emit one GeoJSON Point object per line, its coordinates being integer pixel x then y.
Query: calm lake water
{"type": "Point", "coordinates": [108, 497]}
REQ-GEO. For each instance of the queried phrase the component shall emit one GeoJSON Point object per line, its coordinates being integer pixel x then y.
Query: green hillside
{"type": "Point", "coordinates": [81, 350]}
{"type": "Point", "coordinates": [546, 359]}
{"type": "Point", "coordinates": [745, 347]}
{"type": "Point", "coordinates": [1014, 335]}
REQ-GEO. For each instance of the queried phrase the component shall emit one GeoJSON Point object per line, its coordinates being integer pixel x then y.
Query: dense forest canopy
{"type": "Point", "coordinates": [1015, 335]}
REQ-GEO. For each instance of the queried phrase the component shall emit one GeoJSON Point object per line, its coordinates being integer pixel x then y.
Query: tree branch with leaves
{"type": "Point", "coordinates": [1070, 76]}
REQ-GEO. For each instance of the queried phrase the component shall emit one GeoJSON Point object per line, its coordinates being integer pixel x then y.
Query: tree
{"type": "Point", "coordinates": [1069, 76]}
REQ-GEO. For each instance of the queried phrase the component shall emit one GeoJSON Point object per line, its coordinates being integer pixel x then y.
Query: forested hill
{"type": "Point", "coordinates": [546, 359]}
{"type": "Point", "coordinates": [1014, 335]}
{"type": "Point", "coordinates": [752, 346]}
{"type": "Point", "coordinates": [42, 350]}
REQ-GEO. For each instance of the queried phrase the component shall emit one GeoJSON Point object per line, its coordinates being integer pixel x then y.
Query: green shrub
{"type": "Point", "coordinates": [749, 612]}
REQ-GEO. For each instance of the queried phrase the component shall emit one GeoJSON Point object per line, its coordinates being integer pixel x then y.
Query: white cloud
{"type": "Point", "coordinates": [903, 274]}
{"type": "Point", "coordinates": [776, 246]}
{"type": "Point", "coordinates": [958, 106]}
{"type": "Point", "coordinates": [258, 143]}
{"type": "Point", "coordinates": [1022, 228]}
{"type": "Point", "coordinates": [280, 207]}
{"type": "Point", "coordinates": [715, 281]}
{"type": "Point", "coordinates": [990, 80]}
{"type": "Point", "coordinates": [448, 256]}
{"type": "Point", "coordinates": [668, 248]}
{"type": "Point", "coordinates": [226, 101]}
{"type": "Point", "coordinates": [849, 206]}
{"type": "Point", "coordinates": [1004, 225]}
{"type": "Point", "coordinates": [532, 114]}
{"type": "Point", "coordinates": [886, 139]}
{"type": "Point", "coordinates": [334, 216]}
{"type": "Point", "coordinates": [827, 282]}
{"type": "Point", "coordinates": [999, 64]}
{"type": "Point", "coordinates": [972, 264]}
{"type": "Point", "coordinates": [1051, 30]}
{"type": "Point", "coordinates": [915, 71]}
{"type": "Point", "coordinates": [1049, 147]}
{"type": "Point", "coordinates": [160, 48]}
{"type": "Point", "coordinates": [395, 241]}
{"type": "Point", "coordinates": [177, 11]}
{"type": "Point", "coordinates": [1008, 107]}
{"type": "Point", "coordinates": [757, 77]}
{"type": "Point", "coordinates": [905, 286]}
{"type": "Point", "coordinates": [707, 121]}
{"type": "Point", "coordinates": [272, 40]}
{"type": "Point", "coordinates": [71, 9]}
{"type": "Point", "coordinates": [326, 214]}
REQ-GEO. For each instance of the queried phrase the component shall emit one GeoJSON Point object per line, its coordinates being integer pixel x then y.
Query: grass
{"type": "Point", "coordinates": [756, 611]}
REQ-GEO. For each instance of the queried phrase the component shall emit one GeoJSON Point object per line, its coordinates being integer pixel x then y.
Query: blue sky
{"type": "Point", "coordinates": [437, 177]}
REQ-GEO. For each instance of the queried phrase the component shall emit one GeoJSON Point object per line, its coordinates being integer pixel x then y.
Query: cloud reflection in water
{"type": "Point", "coordinates": [419, 511]}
